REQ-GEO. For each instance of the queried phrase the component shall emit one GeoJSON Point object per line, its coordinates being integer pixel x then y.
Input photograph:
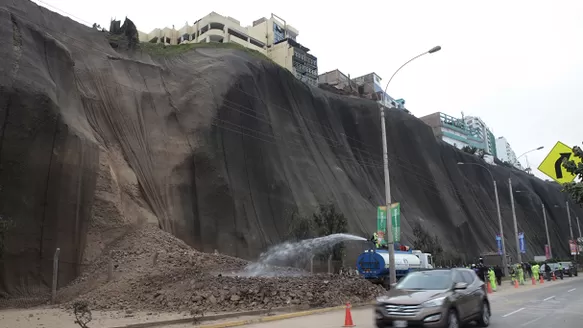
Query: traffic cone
{"type": "Point", "coordinates": [533, 281]}
{"type": "Point", "coordinates": [515, 283]}
{"type": "Point", "coordinates": [541, 279]}
{"type": "Point", "coordinates": [554, 277]}
{"type": "Point", "coordinates": [489, 288]}
{"type": "Point", "coordinates": [348, 317]}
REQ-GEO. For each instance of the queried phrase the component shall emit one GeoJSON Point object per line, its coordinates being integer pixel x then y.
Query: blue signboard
{"type": "Point", "coordinates": [521, 242]}
{"type": "Point", "coordinates": [499, 244]}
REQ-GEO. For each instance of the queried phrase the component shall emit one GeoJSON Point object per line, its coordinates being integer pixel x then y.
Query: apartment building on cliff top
{"type": "Point", "coordinates": [272, 37]}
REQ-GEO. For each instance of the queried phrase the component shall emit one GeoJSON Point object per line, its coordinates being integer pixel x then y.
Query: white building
{"type": "Point", "coordinates": [505, 152]}
{"type": "Point", "coordinates": [272, 37]}
{"type": "Point", "coordinates": [484, 133]}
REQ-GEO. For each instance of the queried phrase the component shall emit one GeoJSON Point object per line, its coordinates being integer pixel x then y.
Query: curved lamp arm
{"type": "Point", "coordinates": [430, 51]}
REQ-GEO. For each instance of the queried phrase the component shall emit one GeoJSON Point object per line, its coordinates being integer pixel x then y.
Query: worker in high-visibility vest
{"type": "Point", "coordinates": [492, 278]}
{"type": "Point", "coordinates": [535, 271]}
{"type": "Point", "coordinates": [375, 240]}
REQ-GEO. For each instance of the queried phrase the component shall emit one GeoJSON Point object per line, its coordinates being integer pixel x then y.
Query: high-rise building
{"type": "Point", "coordinates": [272, 37]}
{"type": "Point", "coordinates": [482, 130]}
{"type": "Point", "coordinates": [506, 153]}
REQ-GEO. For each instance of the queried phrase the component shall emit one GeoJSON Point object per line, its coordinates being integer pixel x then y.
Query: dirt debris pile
{"type": "Point", "coordinates": [184, 279]}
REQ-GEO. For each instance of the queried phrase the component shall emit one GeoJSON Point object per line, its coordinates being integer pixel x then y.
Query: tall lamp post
{"type": "Point", "coordinates": [500, 227]}
{"type": "Point", "coordinates": [571, 229]}
{"type": "Point", "coordinates": [519, 255]}
{"type": "Point", "coordinates": [390, 241]}
{"type": "Point", "coordinates": [546, 226]}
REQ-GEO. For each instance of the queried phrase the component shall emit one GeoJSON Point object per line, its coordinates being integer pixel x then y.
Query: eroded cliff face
{"type": "Point", "coordinates": [217, 147]}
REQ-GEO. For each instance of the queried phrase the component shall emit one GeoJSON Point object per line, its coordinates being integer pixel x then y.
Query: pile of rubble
{"type": "Point", "coordinates": [183, 279]}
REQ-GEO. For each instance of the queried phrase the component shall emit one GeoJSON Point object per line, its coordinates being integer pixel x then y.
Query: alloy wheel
{"type": "Point", "coordinates": [485, 314]}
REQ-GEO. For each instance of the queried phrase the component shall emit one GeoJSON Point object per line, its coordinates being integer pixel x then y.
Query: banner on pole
{"type": "Point", "coordinates": [521, 242]}
{"type": "Point", "coordinates": [396, 220]}
{"type": "Point", "coordinates": [573, 247]}
{"type": "Point", "coordinates": [547, 252]}
{"type": "Point", "coordinates": [499, 243]}
{"type": "Point", "coordinates": [382, 223]}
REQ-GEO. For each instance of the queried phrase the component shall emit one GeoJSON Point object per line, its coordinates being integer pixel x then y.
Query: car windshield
{"type": "Point", "coordinates": [427, 280]}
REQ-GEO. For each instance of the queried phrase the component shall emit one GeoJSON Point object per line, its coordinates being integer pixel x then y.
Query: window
{"type": "Point", "coordinates": [468, 276]}
{"type": "Point", "coordinates": [457, 277]}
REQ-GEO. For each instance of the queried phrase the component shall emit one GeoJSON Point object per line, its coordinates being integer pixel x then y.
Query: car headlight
{"type": "Point", "coordinates": [434, 302]}
{"type": "Point", "coordinates": [382, 299]}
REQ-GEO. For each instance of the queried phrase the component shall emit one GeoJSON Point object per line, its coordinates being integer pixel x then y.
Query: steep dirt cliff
{"type": "Point", "coordinates": [216, 146]}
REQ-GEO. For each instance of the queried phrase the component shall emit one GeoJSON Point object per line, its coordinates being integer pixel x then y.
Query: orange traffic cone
{"type": "Point", "coordinates": [554, 277]}
{"type": "Point", "coordinates": [533, 281]}
{"type": "Point", "coordinates": [541, 280]}
{"type": "Point", "coordinates": [489, 288]}
{"type": "Point", "coordinates": [515, 283]}
{"type": "Point", "coordinates": [348, 317]}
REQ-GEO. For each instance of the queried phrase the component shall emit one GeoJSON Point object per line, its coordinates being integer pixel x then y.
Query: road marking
{"type": "Point", "coordinates": [531, 321]}
{"type": "Point", "coordinates": [571, 290]}
{"type": "Point", "coordinates": [511, 313]}
{"type": "Point", "coordinates": [549, 298]}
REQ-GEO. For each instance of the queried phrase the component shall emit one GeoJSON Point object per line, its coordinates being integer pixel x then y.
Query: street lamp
{"type": "Point", "coordinates": [504, 264]}
{"type": "Point", "coordinates": [570, 229]}
{"type": "Point", "coordinates": [390, 241]}
{"type": "Point", "coordinates": [519, 255]}
{"type": "Point", "coordinates": [546, 226]}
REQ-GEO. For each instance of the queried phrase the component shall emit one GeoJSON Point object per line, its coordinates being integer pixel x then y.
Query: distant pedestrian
{"type": "Point", "coordinates": [498, 273]}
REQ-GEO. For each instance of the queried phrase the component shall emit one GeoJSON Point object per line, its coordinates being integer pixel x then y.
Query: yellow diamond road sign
{"type": "Point", "coordinates": [552, 165]}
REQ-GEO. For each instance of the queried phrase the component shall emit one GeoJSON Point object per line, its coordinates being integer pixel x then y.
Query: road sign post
{"type": "Point", "coordinates": [552, 165]}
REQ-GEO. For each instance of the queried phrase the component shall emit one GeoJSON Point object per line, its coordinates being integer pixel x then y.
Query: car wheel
{"type": "Point", "coordinates": [484, 320]}
{"type": "Point", "coordinates": [452, 319]}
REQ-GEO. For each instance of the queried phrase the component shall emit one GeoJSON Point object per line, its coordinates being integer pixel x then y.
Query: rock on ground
{"type": "Point", "coordinates": [184, 279]}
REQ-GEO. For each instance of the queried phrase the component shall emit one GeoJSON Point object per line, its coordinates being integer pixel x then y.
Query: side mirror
{"type": "Point", "coordinates": [460, 285]}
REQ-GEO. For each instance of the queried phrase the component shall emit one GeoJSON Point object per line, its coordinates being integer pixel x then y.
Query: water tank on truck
{"type": "Point", "coordinates": [373, 264]}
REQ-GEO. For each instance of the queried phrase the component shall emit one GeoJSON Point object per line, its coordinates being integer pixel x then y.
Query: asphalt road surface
{"type": "Point", "coordinates": [555, 304]}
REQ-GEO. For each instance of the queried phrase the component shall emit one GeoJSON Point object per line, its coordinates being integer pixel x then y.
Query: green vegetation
{"type": "Point", "coordinates": [162, 50]}
{"type": "Point", "coordinates": [326, 220]}
{"type": "Point", "coordinates": [474, 151]}
{"type": "Point", "coordinates": [575, 188]}
{"type": "Point", "coordinates": [426, 242]}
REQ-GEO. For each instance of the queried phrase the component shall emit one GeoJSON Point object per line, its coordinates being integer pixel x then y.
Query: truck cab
{"type": "Point", "coordinates": [425, 258]}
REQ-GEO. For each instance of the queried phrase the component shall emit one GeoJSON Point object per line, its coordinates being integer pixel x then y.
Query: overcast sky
{"type": "Point", "coordinates": [516, 64]}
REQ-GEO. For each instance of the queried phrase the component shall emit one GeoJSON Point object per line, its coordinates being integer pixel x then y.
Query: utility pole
{"type": "Point", "coordinates": [571, 230]}
{"type": "Point", "coordinates": [504, 258]}
{"type": "Point", "coordinates": [518, 254]}
{"type": "Point", "coordinates": [547, 232]}
{"type": "Point", "coordinates": [578, 227]}
{"type": "Point", "coordinates": [390, 242]}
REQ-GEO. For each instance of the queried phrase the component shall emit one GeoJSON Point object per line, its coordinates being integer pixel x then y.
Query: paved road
{"type": "Point", "coordinates": [554, 304]}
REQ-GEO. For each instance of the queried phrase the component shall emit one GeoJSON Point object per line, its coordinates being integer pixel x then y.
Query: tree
{"type": "Point", "coordinates": [301, 227]}
{"type": "Point", "coordinates": [469, 150]}
{"type": "Point", "coordinates": [329, 221]}
{"type": "Point", "coordinates": [575, 189]}
{"type": "Point", "coordinates": [425, 242]}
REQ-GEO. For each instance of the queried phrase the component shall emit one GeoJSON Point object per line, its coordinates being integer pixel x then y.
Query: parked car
{"type": "Point", "coordinates": [569, 269]}
{"type": "Point", "coordinates": [437, 298]}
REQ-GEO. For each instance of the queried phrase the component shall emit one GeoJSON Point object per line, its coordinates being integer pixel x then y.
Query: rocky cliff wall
{"type": "Point", "coordinates": [218, 147]}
